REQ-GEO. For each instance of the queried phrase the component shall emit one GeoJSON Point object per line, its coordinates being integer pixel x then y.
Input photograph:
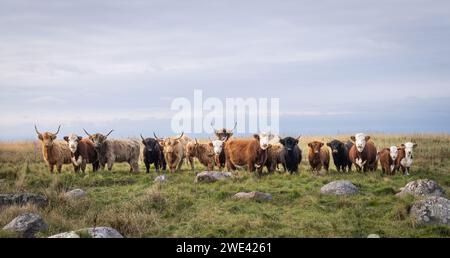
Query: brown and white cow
{"type": "Point", "coordinates": [387, 157]}
{"type": "Point", "coordinates": [404, 159]}
{"type": "Point", "coordinates": [174, 149]}
{"type": "Point", "coordinates": [82, 152]}
{"type": "Point", "coordinates": [222, 135]}
{"type": "Point", "coordinates": [364, 153]}
{"type": "Point", "coordinates": [204, 152]}
{"type": "Point", "coordinates": [112, 150]}
{"type": "Point", "coordinates": [318, 156]}
{"type": "Point", "coordinates": [247, 152]}
{"type": "Point", "coordinates": [55, 152]}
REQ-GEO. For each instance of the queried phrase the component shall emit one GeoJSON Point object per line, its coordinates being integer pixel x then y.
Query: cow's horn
{"type": "Point", "coordinates": [35, 128]}
{"type": "Point", "coordinates": [156, 137]}
{"type": "Point", "coordinates": [109, 133]}
{"type": "Point", "coordinates": [142, 137]}
{"type": "Point", "coordinates": [235, 124]}
{"type": "Point", "coordinates": [59, 127]}
{"type": "Point", "coordinates": [300, 136]}
{"type": "Point", "coordinates": [182, 133]}
{"type": "Point", "coordinates": [86, 132]}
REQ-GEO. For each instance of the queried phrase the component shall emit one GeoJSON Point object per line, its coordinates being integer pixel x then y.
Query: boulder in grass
{"type": "Point", "coordinates": [257, 196]}
{"type": "Point", "coordinates": [23, 199]}
{"type": "Point", "coordinates": [75, 194]}
{"type": "Point", "coordinates": [341, 187]}
{"type": "Point", "coordinates": [212, 176]}
{"type": "Point", "coordinates": [160, 179]}
{"type": "Point", "coordinates": [27, 225]}
{"type": "Point", "coordinates": [422, 187]}
{"type": "Point", "coordinates": [97, 232]}
{"type": "Point", "coordinates": [432, 210]}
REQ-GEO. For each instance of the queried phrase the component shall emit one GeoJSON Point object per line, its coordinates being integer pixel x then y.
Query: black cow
{"type": "Point", "coordinates": [291, 154]}
{"type": "Point", "coordinates": [339, 150]}
{"type": "Point", "coordinates": [153, 153]}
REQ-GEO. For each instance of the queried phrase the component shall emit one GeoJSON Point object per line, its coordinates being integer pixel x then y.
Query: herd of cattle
{"type": "Point", "coordinates": [262, 150]}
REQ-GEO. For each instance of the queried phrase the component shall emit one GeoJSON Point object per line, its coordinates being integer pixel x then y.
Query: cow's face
{"type": "Point", "coordinates": [393, 152]}
{"type": "Point", "coordinates": [409, 146]}
{"type": "Point", "coordinates": [263, 139]}
{"type": "Point", "coordinates": [360, 140]}
{"type": "Point", "coordinates": [336, 146]}
{"type": "Point", "coordinates": [98, 139]}
{"type": "Point", "coordinates": [73, 140]}
{"type": "Point", "coordinates": [47, 138]}
{"type": "Point", "coordinates": [218, 146]}
{"type": "Point", "coordinates": [289, 143]}
{"type": "Point", "coordinates": [315, 146]}
{"type": "Point", "coordinates": [191, 147]}
{"type": "Point", "coordinates": [170, 145]}
{"type": "Point", "coordinates": [223, 134]}
{"type": "Point", "coordinates": [150, 145]}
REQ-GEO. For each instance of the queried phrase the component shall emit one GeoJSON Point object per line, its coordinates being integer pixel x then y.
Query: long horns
{"type": "Point", "coordinates": [37, 131]}
{"type": "Point", "coordinates": [109, 133]}
{"type": "Point", "coordinates": [235, 125]}
{"type": "Point", "coordinates": [142, 137]}
{"type": "Point", "coordinates": [86, 132]}
{"type": "Point", "coordinates": [156, 137]}
{"type": "Point", "coordinates": [182, 133]}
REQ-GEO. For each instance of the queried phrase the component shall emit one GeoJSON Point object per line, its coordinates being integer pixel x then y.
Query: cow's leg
{"type": "Point", "coordinates": [191, 162]}
{"type": "Point", "coordinates": [147, 166]}
{"type": "Point", "coordinates": [51, 167]}
{"type": "Point", "coordinates": [157, 165]}
{"type": "Point", "coordinates": [180, 163]}
{"type": "Point", "coordinates": [110, 164]}
{"type": "Point", "coordinates": [407, 171]}
{"type": "Point", "coordinates": [59, 167]}
{"type": "Point", "coordinates": [251, 166]}
{"type": "Point", "coordinates": [83, 165]}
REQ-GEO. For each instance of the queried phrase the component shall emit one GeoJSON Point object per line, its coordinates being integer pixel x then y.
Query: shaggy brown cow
{"type": "Point", "coordinates": [364, 153]}
{"type": "Point", "coordinates": [82, 152]}
{"type": "Point", "coordinates": [204, 152]}
{"type": "Point", "coordinates": [54, 152]}
{"type": "Point", "coordinates": [223, 134]}
{"type": "Point", "coordinates": [247, 152]}
{"type": "Point", "coordinates": [318, 156]}
{"type": "Point", "coordinates": [274, 156]}
{"type": "Point", "coordinates": [387, 157]}
{"type": "Point", "coordinates": [110, 151]}
{"type": "Point", "coordinates": [174, 150]}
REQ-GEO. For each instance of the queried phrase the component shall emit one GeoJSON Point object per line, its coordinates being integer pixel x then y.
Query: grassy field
{"type": "Point", "coordinates": [137, 207]}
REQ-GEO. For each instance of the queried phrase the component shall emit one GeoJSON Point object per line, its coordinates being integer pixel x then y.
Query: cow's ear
{"type": "Point", "coordinates": [329, 144]}
{"type": "Point", "coordinates": [80, 138]}
{"type": "Point", "coordinates": [402, 146]}
{"type": "Point", "coordinates": [211, 144]}
{"type": "Point", "coordinates": [256, 136]}
{"type": "Point", "coordinates": [414, 145]}
{"type": "Point", "coordinates": [353, 138]}
{"type": "Point", "coordinates": [282, 141]}
{"type": "Point", "coordinates": [66, 138]}
{"type": "Point", "coordinates": [367, 138]}
{"type": "Point", "coordinates": [53, 137]}
{"type": "Point", "coordinates": [320, 144]}
{"type": "Point", "coordinates": [40, 137]}
{"type": "Point", "coordinates": [310, 144]}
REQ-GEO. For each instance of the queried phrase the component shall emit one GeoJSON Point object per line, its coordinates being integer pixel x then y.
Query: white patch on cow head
{"type": "Point", "coordinates": [73, 142]}
{"type": "Point", "coordinates": [218, 146]}
{"type": "Point", "coordinates": [264, 139]}
{"type": "Point", "coordinates": [393, 152]}
{"type": "Point", "coordinates": [409, 146]}
{"type": "Point", "coordinates": [360, 141]}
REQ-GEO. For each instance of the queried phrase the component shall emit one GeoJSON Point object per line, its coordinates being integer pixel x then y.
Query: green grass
{"type": "Point", "coordinates": [137, 207]}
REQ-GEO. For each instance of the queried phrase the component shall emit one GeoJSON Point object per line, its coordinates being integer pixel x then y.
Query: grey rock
{"type": "Point", "coordinates": [341, 187]}
{"type": "Point", "coordinates": [75, 194]}
{"type": "Point", "coordinates": [160, 179]}
{"type": "Point", "coordinates": [257, 196]}
{"type": "Point", "coordinates": [373, 236]}
{"type": "Point", "coordinates": [432, 210]}
{"type": "Point", "coordinates": [70, 234]}
{"type": "Point", "coordinates": [23, 199]}
{"type": "Point", "coordinates": [212, 176]}
{"type": "Point", "coordinates": [422, 187]}
{"type": "Point", "coordinates": [97, 232]}
{"type": "Point", "coordinates": [27, 225]}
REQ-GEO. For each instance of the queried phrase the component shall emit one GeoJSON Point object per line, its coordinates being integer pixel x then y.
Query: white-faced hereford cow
{"type": "Point", "coordinates": [387, 157]}
{"type": "Point", "coordinates": [247, 152]}
{"type": "Point", "coordinates": [364, 153]}
{"type": "Point", "coordinates": [222, 135]}
{"type": "Point", "coordinates": [82, 152]}
{"type": "Point", "coordinates": [404, 159]}
{"type": "Point", "coordinates": [54, 152]}
{"type": "Point", "coordinates": [174, 149]}
{"type": "Point", "coordinates": [110, 151]}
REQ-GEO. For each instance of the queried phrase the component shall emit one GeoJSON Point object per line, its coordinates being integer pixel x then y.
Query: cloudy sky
{"type": "Point", "coordinates": [336, 66]}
